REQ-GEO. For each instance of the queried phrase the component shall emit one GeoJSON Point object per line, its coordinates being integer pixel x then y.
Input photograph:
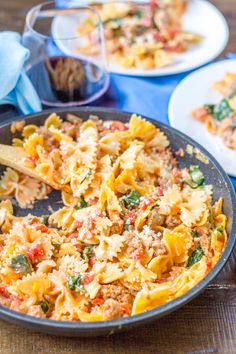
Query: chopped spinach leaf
{"type": "Point", "coordinates": [212, 221]}
{"type": "Point", "coordinates": [222, 110]}
{"type": "Point", "coordinates": [117, 21]}
{"type": "Point", "coordinates": [157, 202]}
{"type": "Point", "coordinates": [56, 245]}
{"type": "Point", "coordinates": [190, 183]}
{"type": "Point", "coordinates": [209, 108]}
{"type": "Point", "coordinates": [88, 252]}
{"type": "Point", "coordinates": [196, 175]}
{"type": "Point", "coordinates": [195, 256]}
{"type": "Point", "coordinates": [131, 200]}
{"type": "Point", "coordinates": [86, 176]}
{"type": "Point", "coordinates": [74, 283]}
{"type": "Point", "coordinates": [220, 229]}
{"type": "Point", "coordinates": [138, 13]}
{"type": "Point", "coordinates": [44, 306]}
{"type": "Point", "coordinates": [194, 234]}
{"type": "Point", "coordinates": [232, 95]}
{"type": "Point", "coordinates": [82, 203]}
{"type": "Point", "coordinates": [44, 219]}
{"type": "Point", "coordinates": [233, 125]}
{"type": "Point", "coordinates": [127, 225]}
{"type": "Point", "coordinates": [21, 264]}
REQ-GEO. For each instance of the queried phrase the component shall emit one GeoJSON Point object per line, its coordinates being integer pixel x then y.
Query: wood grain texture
{"type": "Point", "coordinates": [207, 325]}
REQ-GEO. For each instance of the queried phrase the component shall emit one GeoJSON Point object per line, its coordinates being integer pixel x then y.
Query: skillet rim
{"type": "Point", "coordinates": [70, 328]}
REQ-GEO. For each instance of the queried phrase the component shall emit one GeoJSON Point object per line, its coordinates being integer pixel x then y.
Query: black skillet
{"type": "Point", "coordinates": [214, 174]}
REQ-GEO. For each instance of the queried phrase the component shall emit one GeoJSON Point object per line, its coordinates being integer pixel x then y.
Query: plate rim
{"type": "Point", "coordinates": [172, 101]}
{"type": "Point", "coordinates": [72, 328]}
{"type": "Point", "coordinates": [173, 71]}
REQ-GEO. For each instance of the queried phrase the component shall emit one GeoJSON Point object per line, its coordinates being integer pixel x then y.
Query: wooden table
{"type": "Point", "coordinates": [206, 325]}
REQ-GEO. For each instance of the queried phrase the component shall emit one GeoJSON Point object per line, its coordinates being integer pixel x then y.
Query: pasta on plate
{"type": "Point", "coordinates": [143, 36]}
{"type": "Point", "coordinates": [135, 231]}
{"type": "Point", "coordinates": [220, 118]}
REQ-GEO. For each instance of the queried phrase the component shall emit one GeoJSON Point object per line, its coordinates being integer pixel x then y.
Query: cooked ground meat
{"type": "Point", "coordinates": [117, 225]}
{"type": "Point", "coordinates": [155, 220]}
{"type": "Point", "coordinates": [69, 129]}
{"type": "Point", "coordinates": [135, 245]}
{"type": "Point", "coordinates": [172, 221]}
{"type": "Point", "coordinates": [112, 309]}
{"type": "Point", "coordinates": [50, 142]}
{"type": "Point", "coordinates": [117, 292]}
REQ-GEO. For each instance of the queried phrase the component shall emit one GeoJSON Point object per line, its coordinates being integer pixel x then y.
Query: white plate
{"type": "Point", "coordinates": [194, 91]}
{"type": "Point", "coordinates": [201, 17]}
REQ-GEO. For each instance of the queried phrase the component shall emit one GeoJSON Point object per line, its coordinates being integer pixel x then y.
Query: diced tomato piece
{"type": "Point", "coordinates": [145, 204]}
{"type": "Point", "coordinates": [15, 304]}
{"type": "Point", "coordinates": [158, 37]}
{"type": "Point", "coordinates": [3, 291]}
{"type": "Point", "coordinates": [33, 159]}
{"type": "Point", "coordinates": [126, 308]}
{"type": "Point", "coordinates": [177, 175]}
{"type": "Point", "coordinates": [118, 126]}
{"type": "Point", "coordinates": [91, 223]}
{"type": "Point", "coordinates": [73, 235]}
{"type": "Point", "coordinates": [174, 31]}
{"type": "Point", "coordinates": [86, 308]}
{"type": "Point", "coordinates": [34, 251]}
{"type": "Point", "coordinates": [160, 191]}
{"type": "Point", "coordinates": [91, 261]}
{"type": "Point", "coordinates": [131, 216]}
{"type": "Point", "coordinates": [87, 278]}
{"type": "Point", "coordinates": [153, 4]}
{"type": "Point", "coordinates": [100, 214]}
{"type": "Point", "coordinates": [209, 264]}
{"type": "Point", "coordinates": [93, 201]}
{"type": "Point", "coordinates": [42, 228]}
{"type": "Point", "coordinates": [200, 113]}
{"type": "Point", "coordinates": [98, 301]}
{"type": "Point", "coordinates": [160, 281]}
{"type": "Point", "coordinates": [178, 48]}
{"type": "Point", "coordinates": [137, 254]}
{"type": "Point", "coordinates": [79, 224]}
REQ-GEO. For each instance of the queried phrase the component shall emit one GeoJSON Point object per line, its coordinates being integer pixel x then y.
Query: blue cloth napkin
{"type": "Point", "coordinates": [15, 87]}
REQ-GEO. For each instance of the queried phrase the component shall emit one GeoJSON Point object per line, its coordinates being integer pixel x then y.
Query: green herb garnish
{"type": "Point", "coordinates": [209, 108]}
{"type": "Point", "coordinates": [196, 175]}
{"type": "Point", "coordinates": [44, 306]}
{"type": "Point", "coordinates": [195, 256]}
{"type": "Point", "coordinates": [190, 184]}
{"type": "Point", "coordinates": [194, 234]}
{"type": "Point", "coordinates": [82, 203]}
{"type": "Point", "coordinates": [56, 245]}
{"type": "Point", "coordinates": [233, 125]}
{"type": "Point", "coordinates": [88, 252]}
{"type": "Point", "coordinates": [220, 229]}
{"type": "Point", "coordinates": [117, 21]}
{"type": "Point", "coordinates": [44, 219]}
{"type": "Point", "coordinates": [127, 225]}
{"type": "Point", "coordinates": [86, 176]}
{"type": "Point", "coordinates": [131, 200]}
{"type": "Point", "coordinates": [74, 283]}
{"type": "Point", "coordinates": [21, 264]}
{"type": "Point", "coordinates": [157, 202]}
{"type": "Point", "coordinates": [222, 110]}
{"type": "Point", "coordinates": [138, 13]}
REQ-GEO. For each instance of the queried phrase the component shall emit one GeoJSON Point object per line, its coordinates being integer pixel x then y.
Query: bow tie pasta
{"type": "Point", "coordinates": [135, 230]}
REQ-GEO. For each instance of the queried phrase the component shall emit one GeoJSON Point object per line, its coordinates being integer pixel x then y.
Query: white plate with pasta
{"type": "Point", "coordinates": [197, 92]}
{"type": "Point", "coordinates": [172, 57]}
